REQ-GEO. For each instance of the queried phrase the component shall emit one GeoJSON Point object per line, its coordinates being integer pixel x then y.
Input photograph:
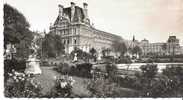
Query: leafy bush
{"type": "Point", "coordinates": [145, 82]}
{"type": "Point", "coordinates": [174, 74]}
{"type": "Point", "coordinates": [105, 88]}
{"type": "Point", "coordinates": [63, 68]}
{"type": "Point", "coordinates": [122, 59]}
{"type": "Point", "coordinates": [9, 65]}
{"type": "Point", "coordinates": [82, 55]}
{"type": "Point", "coordinates": [44, 63]}
{"type": "Point", "coordinates": [101, 88]}
{"type": "Point", "coordinates": [126, 81]}
{"type": "Point", "coordinates": [83, 70]}
{"type": "Point", "coordinates": [14, 64]}
{"type": "Point", "coordinates": [63, 87]}
{"type": "Point", "coordinates": [111, 70]}
{"type": "Point", "coordinates": [173, 70]}
{"type": "Point", "coordinates": [152, 84]}
{"type": "Point", "coordinates": [21, 85]}
{"type": "Point", "coordinates": [149, 70]}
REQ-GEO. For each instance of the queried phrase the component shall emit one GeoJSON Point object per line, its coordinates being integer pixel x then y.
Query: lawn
{"type": "Point", "coordinates": [47, 79]}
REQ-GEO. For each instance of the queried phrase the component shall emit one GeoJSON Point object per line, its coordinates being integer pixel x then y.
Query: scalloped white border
{"type": "Point", "coordinates": [2, 72]}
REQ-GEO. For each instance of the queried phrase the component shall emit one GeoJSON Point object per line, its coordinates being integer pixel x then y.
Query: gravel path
{"type": "Point", "coordinates": [47, 78]}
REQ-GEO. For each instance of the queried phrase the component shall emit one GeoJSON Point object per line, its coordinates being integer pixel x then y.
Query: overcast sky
{"type": "Point", "coordinates": [154, 20]}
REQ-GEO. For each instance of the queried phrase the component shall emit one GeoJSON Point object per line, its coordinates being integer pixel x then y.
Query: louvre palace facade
{"type": "Point", "coordinates": [74, 27]}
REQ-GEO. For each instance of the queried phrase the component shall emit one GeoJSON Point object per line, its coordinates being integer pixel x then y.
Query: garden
{"type": "Point", "coordinates": [68, 78]}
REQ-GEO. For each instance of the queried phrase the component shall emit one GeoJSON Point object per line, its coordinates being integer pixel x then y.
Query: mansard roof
{"type": "Point", "coordinates": [58, 20]}
{"type": "Point", "coordinates": [78, 15]}
{"type": "Point", "coordinates": [107, 34]}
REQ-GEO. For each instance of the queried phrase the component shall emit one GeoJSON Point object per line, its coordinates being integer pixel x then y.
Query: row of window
{"type": "Point", "coordinates": [66, 32]}
{"type": "Point", "coordinates": [67, 41]}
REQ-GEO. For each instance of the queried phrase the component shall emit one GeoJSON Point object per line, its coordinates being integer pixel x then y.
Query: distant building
{"type": "Point", "coordinates": [131, 44]}
{"type": "Point", "coordinates": [74, 27]}
{"type": "Point", "coordinates": [170, 47]}
{"type": "Point", "coordinates": [181, 49]}
{"type": "Point", "coordinates": [151, 48]}
{"type": "Point", "coordinates": [173, 46]}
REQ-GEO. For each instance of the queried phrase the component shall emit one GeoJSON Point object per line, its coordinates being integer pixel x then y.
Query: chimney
{"type": "Point", "coordinates": [60, 10]}
{"type": "Point", "coordinates": [85, 5]}
{"type": "Point", "coordinates": [72, 4]}
{"type": "Point", "coordinates": [72, 11]}
{"type": "Point", "coordinates": [85, 10]}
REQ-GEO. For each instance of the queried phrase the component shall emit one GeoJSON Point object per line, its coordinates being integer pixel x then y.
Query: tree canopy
{"type": "Point", "coordinates": [16, 30]}
{"type": "Point", "coordinates": [137, 50]}
{"type": "Point", "coordinates": [81, 55]}
{"type": "Point", "coordinates": [16, 27]}
{"type": "Point", "coordinates": [52, 45]}
{"type": "Point", "coordinates": [93, 51]}
{"type": "Point", "coordinates": [119, 47]}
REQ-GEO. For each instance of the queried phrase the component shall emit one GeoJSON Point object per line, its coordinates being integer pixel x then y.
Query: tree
{"type": "Point", "coordinates": [174, 74]}
{"type": "Point", "coordinates": [147, 78]}
{"type": "Point", "coordinates": [106, 51]}
{"type": "Point", "coordinates": [52, 45]}
{"type": "Point", "coordinates": [16, 31]}
{"type": "Point", "coordinates": [164, 47]}
{"type": "Point", "coordinates": [80, 54]}
{"type": "Point", "coordinates": [119, 47]}
{"type": "Point", "coordinates": [16, 27]}
{"type": "Point", "coordinates": [136, 50]}
{"type": "Point", "coordinates": [111, 71]}
{"type": "Point", "coordinates": [149, 70]}
{"type": "Point", "coordinates": [93, 51]}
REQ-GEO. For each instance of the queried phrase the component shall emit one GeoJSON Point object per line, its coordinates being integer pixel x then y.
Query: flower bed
{"type": "Point", "coordinates": [63, 86]}
{"type": "Point", "coordinates": [21, 85]}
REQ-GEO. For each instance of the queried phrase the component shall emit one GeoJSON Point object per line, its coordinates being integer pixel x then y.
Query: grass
{"type": "Point", "coordinates": [47, 80]}
{"type": "Point", "coordinates": [79, 89]}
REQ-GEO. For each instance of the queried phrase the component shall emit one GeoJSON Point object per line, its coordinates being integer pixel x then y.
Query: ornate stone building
{"type": "Point", "coordinates": [74, 26]}
{"type": "Point", "coordinates": [171, 47]}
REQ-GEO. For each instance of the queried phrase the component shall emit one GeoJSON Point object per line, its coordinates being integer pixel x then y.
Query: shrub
{"type": "Point", "coordinates": [123, 60]}
{"type": "Point", "coordinates": [14, 64]}
{"type": "Point", "coordinates": [144, 81]}
{"type": "Point", "coordinates": [111, 70]}
{"type": "Point", "coordinates": [174, 74]}
{"type": "Point", "coordinates": [21, 85]}
{"type": "Point", "coordinates": [72, 70]}
{"type": "Point", "coordinates": [82, 55]}
{"type": "Point", "coordinates": [173, 70]}
{"type": "Point", "coordinates": [83, 70]}
{"type": "Point", "coordinates": [63, 87]}
{"type": "Point", "coordinates": [149, 70]}
{"type": "Point", "coordinates": [105, 88]}
{"type": "Point", "coordinates": [100, 88]}
{"type": "Point", "coordinates": [152, 84]}
{"type": "Point", "coordinates": [126, 81]}
{"type": "Point", "coordinates": [63, 68]}
{"type": "Point", "coordinates": [9, 65]}
{"type": "Point", "coordinates": [44, 63]}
